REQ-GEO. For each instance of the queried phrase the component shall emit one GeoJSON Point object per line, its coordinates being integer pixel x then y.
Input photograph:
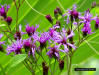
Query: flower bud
{"type": "Point", "coordinates": [1, 48]}
{"type": "Point", "coordinates": [97, 23]}
{"type": "Point", "coordinates": [58, 22]}
{"type": "Point", "coordinates": [49, 18]}
{"type": "Point", "coordinates": [84, 33]}
{"type": "Point", "coordinates": [27, 45]}
{"type": "Point", "coordinates": [59, 10]}
{"type": "Point", "coordinates": [96, 26]}
{"type": "Point", "coordinates": [61, 64]}
{"type": "Point", "coordinates": [56, 13]}
{"type": "Point", "coordinates": [45, 68]}
{"type": "Point", "coordinates": [17, 35]}
{"type": "Point", "coordinates": [3, 14]}
{"type": "Point", "coordinates": [74, 15]}
{"type": "Point", "coordinates": [93, 4]}
{"type": "Point", "coordinates": [68, 32]}
{"type": "Point", "coordinates": [9, 20]}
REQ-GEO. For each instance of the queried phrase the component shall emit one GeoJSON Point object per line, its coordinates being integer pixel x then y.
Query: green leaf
{"type": "Point", "coordinates": [17, 59]}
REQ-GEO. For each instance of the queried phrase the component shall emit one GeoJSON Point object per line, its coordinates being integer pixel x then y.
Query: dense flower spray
{"type": "Point", "coordinates": [55, 44]}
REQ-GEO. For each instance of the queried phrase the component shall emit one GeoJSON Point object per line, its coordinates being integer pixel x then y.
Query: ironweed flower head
{"type": "Point", "coordinates": [27, 43]}
{"type": "Point", "coordinates": [54, 35]}
{"type": "Point", "coordinates": [61, 64]}
{"type": "Point", "coordinates": [31, 29]}
{"type": "Point", "coordinates": [87, 17]}
{"type": "Point", "coordinates": [97, 23]}
{"type": "Point", "coordinates": [56, 13]}
{"type": "Point", "coordinates": [63, 40]}
{"type": "Point", "coordinates": [59, 10]}
{"type": "Point", "coordinates": [53, 52]}
{"type": "Point", "coordinates": [42, 39]}
{"type": "Point", "coordinates": [8, 20]}
{"type": "Point", "coordinates": [49, 18]}
{"type": "Point", "coordinates": [15, 47]}
{"type": "Point", "coordinates": [51, 32]}
{"type": "Point", "coordinates": [58, 23]}
{"type": "Point", "coordinates": [86, 29]}
{"type": "Point", "coordinates": [93, 4]}
{"type": "Point", "coordinates": [73, 13]}
{"type": "Point", "coordinates": [45, 68]}
{"type": "Point", "coordinates": [3, 10]}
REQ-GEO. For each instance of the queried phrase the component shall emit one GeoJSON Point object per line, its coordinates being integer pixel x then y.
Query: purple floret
{"type": "Point", "coordinates": [15, 47]}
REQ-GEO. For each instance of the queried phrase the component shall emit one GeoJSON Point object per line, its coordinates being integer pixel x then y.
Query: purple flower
{"type": "Point", "coordinates": [63, 40]}
{"type": "Point", "coordinates": [31, 29]}
{"type": "Point", "coordinates": [44, 37]}
{"type": "Point", "coordinates": [58, 23]}
{"type": "Point", "coordinates": [86, 29]}
{"type": "Point", "coordinates": [53, 52]}
{"type": "Point", "coordinates": [27, 43]}
{"type": "Point", "coordinates": [56, 13]}
{"type": "Point", "coordinates": [93, 4]}
{"type": "Point", "coordinates": [51, 32]}
{"type": "Point", "coordinates": [15, 47]}
{"type": "Point", "coordinates": [3, 10]}
{"type": "Point", "coordinates": [73, 14]}
{"type": "Point", "coordinates": [54, 35]}
{"type": "Point", "coordinates": [29, 47]}
{"type": "Point", "coordinates": [8, 20]}
{"type": "Point", "coordinates": [49, 18]}
{"type": "Point", "coordinates": [87, 17]}
{"type": "Point", "coordinates": [59, 10]}
{"type": "Point", "coordinates": [97, 23]}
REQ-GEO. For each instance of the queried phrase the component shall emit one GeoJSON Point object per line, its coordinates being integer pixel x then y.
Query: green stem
{"type": "Point", "coordinates": [69, 69]}
{"type": "Point", "coordinates": [67, 61]}
{"type": "Point", "coordinates": [79, 34]}
{"type": "Point", "coordinates": [9, 28]}
{"type": "Point", "coordinates": [71, 25]}
{"type": "Point", "coordinates": [54, 67]}
{"type": "Point", "coordinates": [30, 68]}
{"type": "Point", "coordinates": [50, 65]}
{"type": "Point", "coordinates": [25, 64]}
{"type": "Point", "coordinates": [2, 70]}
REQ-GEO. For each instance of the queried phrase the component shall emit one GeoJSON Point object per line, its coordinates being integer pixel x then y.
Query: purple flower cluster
{"type": "Point", "coordinates": [3, 13]}
{"type": "Point", "coordinates": [58, 39]}
{"type": "Point", "coordinates": [52, 36]}
{"type": "Point", "coordinates": [77, 18]}
{"type": "Point", "coordinates": [23, 44]}
{"type": "Point", "coordinates": [62, 38]}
